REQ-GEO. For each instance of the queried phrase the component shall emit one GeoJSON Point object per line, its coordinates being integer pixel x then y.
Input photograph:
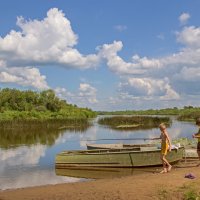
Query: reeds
{"type": "Point", "coordinates": [133, 122]}
{"type": "Point", "coordinates": [46, 123]}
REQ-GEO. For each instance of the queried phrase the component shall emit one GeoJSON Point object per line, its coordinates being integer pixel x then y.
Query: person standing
{"type": "Point", "coordinates": [197, 135]}
{"type": "Point", "coordinates": [165, 147]}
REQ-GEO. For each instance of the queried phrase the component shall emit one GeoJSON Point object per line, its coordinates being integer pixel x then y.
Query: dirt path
{"type": "Point", "coordinates": [145, 186]}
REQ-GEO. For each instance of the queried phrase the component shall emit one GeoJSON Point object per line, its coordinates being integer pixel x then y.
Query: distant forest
{"type": "Point", "coordinates": [17, 104]}
{"type": "Point", "coordinates": [188, 113]}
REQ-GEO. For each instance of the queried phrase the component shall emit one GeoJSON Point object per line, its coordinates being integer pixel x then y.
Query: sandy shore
{"type": "Point", "coordinates": [171, 185]}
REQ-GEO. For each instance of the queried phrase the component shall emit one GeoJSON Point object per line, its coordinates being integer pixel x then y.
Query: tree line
{"type": "Point", "coordinates": [28, 104]}
{"type": "Point", "coordinates": [187, 113]}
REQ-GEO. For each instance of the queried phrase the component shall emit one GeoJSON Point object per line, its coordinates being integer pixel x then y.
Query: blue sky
{"type": "Point", "coordinates": [106, 55]}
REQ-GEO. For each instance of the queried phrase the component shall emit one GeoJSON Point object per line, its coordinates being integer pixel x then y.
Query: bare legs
{"type": "Point", "coordinates": [166, 166]}
{"type": "Point", "coordinates": [198, 152]}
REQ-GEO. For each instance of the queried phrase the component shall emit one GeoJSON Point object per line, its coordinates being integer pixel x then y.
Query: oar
{"type": "Point", "coordinates": [124, 139]}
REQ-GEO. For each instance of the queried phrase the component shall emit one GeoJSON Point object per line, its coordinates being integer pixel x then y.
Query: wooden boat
{"type": "Point", "coordinates": [124, 157]}
{"type": "Point", "coordinates": [118, 146]}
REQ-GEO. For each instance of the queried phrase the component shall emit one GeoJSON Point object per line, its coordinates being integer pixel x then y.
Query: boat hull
{"type": "Point", "coordinates": [115, 158]}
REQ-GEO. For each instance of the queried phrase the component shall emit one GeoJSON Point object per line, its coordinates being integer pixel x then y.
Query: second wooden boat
{"type": "Point", "coordinates": [119, 146]}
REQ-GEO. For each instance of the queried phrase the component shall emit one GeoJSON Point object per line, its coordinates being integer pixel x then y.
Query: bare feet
{"type": "Point", "coordinates": [169, 168]}
{"type": "Point", "coordinates": [163, 171]}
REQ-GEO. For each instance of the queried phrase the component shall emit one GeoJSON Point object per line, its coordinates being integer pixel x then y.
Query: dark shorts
{"type": "Point", "coordinates": [198, 146]}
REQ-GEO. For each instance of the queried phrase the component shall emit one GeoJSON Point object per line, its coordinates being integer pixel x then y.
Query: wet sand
{"type": "Point", "coordinates": [147, 186]}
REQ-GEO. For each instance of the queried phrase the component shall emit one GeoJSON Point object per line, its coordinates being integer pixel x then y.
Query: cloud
{"type": "Point", "coordinates": [183, 18]}
{"type": "Point", "coordinates": [45, 42]}
{"type": "Point", "coordinates": [120, 28]}
{"type": "Point", "coordinates": [189, 74]}
{"type": "Point", "coordinates": [145, 65]}
{"type": "Point", "coordinates": [119, 66]}
{"type": "Point", "coordinates": [147, 88]}
{"type": "Point", "coordinates": [86, 94]}
{"type": "Point", "coordinates": [63, 93]}
{"type": "Point", "coordinates": [24, 76]}
{"type": "Point", "coordinates": [190, 37]}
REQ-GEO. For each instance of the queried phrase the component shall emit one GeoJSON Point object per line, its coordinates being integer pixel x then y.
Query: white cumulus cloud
{"type": "Point", "coordinates": [190, 36]}
{"type": "Point", "coordinates": [146, 87]}
{"type": "Point", "coordinates": [183, 18]}
{"type": "Point", "coordinates": [88, 92]}
{"type": "Point", "coordinates": [118, 65]}
{"type": "Point", "coordinates": [86, 95]}
{"type": "Point", "coordinates": [49, 41]}
{"type": "Point", "coordinates": [24, 76]}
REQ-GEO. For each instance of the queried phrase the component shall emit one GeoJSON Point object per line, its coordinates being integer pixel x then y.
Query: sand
{"type": "Point", "coordinates": [172, 185]}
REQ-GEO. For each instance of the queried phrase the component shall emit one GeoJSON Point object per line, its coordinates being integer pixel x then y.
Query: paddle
{"type": "Point", "coordinates": [123, 139]}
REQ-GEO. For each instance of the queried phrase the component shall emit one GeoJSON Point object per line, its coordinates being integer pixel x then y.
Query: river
{"type": "Point", "coordinates": [30, 161]}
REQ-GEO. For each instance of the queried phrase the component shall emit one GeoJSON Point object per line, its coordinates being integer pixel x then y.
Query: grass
{"type": "Point", "coordinates": [190, 192]}
{"type": "Point", "coordinates": [186, 192]}
{"type": "Point", "coordinates": [163, 194]}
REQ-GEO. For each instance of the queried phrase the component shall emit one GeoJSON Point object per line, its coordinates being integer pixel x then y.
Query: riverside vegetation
{"type": "Point", "coordinates": [24, 109]}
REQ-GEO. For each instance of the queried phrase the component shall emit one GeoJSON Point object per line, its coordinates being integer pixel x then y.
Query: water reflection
{"type": "Point", "coordinates": [27, 158]}
{"type": "Point", "coordinates": [21, 156]}
{"type": "Point", "coordinates": [32, 177]}
{"type": "Point", "coordinates": [17, 137]}
{"type": "Point", "coordinates": [101, 173]}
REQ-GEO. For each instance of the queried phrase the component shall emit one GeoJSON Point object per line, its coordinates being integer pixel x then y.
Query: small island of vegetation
{"type": "Point", "coordinates": [133, 122]}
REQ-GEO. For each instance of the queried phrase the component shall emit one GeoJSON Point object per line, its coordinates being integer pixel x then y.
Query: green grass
{"type": "Point", "coordinates": [190, 192]}
{"type": "Point", "coordinates": [185, 192]}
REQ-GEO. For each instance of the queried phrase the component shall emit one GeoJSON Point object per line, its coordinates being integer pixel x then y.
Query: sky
{"type": "Point", "coordinates": [105, 55]}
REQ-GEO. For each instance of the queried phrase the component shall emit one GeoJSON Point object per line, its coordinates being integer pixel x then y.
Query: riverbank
{"type": "Point", "coordinates": [146, 186]}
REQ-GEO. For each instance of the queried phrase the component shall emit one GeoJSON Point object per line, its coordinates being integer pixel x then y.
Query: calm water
{"type": "Point", "coordinates": [29, 161]}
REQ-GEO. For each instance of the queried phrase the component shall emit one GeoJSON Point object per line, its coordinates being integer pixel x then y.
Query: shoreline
{"type": "Point", "coordinates": [141, 186]}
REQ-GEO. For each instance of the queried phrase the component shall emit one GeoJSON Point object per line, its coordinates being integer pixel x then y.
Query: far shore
{"type": "Point", "coordinates": [148, 186]}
